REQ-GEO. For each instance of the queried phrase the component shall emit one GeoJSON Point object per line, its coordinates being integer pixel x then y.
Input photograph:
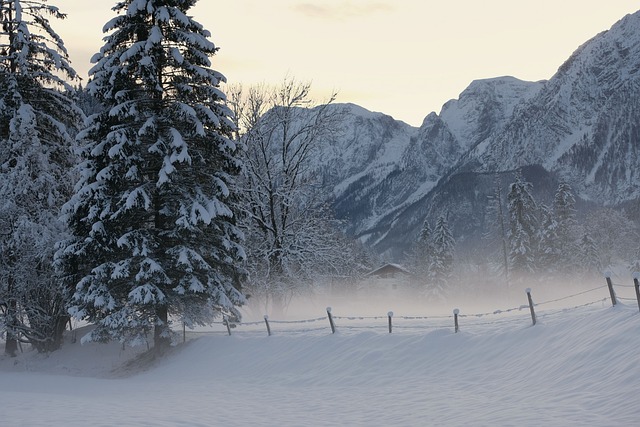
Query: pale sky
{"type": "Point", "coordinates": [404, 58]}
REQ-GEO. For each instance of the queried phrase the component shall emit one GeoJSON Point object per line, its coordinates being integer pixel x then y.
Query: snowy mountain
{"type": "Point", "coordinates": [484, 108]}
{"type": "Point", "coordinates": [583, 124]}
{"type": "Point", "coordinates": [580, 126]}
{"type": "Point", "coordinates": [381, 165]}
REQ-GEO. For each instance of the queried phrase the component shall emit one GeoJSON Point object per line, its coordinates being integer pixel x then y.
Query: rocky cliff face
{"type": "Point", "coordinates": [379, 166]}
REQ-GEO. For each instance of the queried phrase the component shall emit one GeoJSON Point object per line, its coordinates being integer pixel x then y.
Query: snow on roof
{"type": "Point", "coordinates": [387, 268]}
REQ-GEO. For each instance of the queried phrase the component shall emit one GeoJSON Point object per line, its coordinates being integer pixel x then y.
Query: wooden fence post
{"type": "Point", "coordinates": [636, 284]}
{"type": "Point", "coordinates": [611, 291]}
{"type": "Point", "coordinates": [390, 315]}
{"type": "Point", "coordinates": [225, 320]}
{"type": "Point", "coordinates": [533, 313]}
{"type": "Point", "coordinates": [333, 326]}
{"type": "Point", "coordinates": [455, 319]}
{"type": "Point", "coordinates": [266, 321]}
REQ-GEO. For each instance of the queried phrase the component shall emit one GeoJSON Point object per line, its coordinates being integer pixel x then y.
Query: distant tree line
{"type": "Point", "coordinates": [528, 241]}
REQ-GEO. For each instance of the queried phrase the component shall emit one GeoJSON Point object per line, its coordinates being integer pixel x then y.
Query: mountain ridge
{"type": "Point", "coordinates": [582, 126]}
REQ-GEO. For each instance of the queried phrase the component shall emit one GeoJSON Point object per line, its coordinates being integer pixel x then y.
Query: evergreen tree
{"type": "Point", "coordinates": [549, 251]}
{"type": "Point", "coordinates": [88, 103]}
{"type": "Point", "coordinates": [522, 226]}
{"type": "Point", "coordinates": [442, 261]}
{"type": "Point", "coordinates": [423, 251]}
{"type": "Point", "coordinates": [589, 260]}
{"type": "Point", "coordinates": [497, 229]}
{"type": "Point", "coordinates": [635, 262]}
{"type": "Point", "coordinates": [36, 157]}
{"type": "Point", "coordinates": [565, 214]}
{"type": "Point", "coordinates": [564, 204]}
{"type": "Point", "coordinates": [155, 231]}
{"type": "Point", "coordinates": [615, 236]}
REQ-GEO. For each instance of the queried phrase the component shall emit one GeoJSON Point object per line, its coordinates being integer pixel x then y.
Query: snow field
{"type": "Point", "coordinates": [577, 367]}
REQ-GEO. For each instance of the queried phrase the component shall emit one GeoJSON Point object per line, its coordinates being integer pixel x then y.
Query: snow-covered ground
{"type": "Point", "coordinates": [576, 367]}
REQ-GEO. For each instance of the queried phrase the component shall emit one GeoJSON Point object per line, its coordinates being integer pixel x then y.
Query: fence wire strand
{"type": "Point", "coordinates": [623, 286]}
{"type": "Point", "coordinates": [571, 296]}
{"type": "Point", "coordinates": [415, 323]}
{"type": "Point", "coordinates": [317, 319]}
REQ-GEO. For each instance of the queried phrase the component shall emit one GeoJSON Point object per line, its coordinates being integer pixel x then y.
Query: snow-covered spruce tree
{"type": "Point", "coordinates": [615, 236]}
{"type": "Point", "coordinates": [588, 256]}
{"type": "Point", "coordinates": [564, 211]}
{"type": "Point", "coordinates": [634, 265]}
{"type": "Point", "coordinates": [523, 224]}
{"type": "Point", "coordinates": [36, 159]}
{"type": "Point", "coordinates": [550, 257]}
{"type": "Point", "coordinates": [442, 261]}
{"type": "Point", "coordinates": [421, 255]}
{"type": "Point", "coordinates": [155, 233]}
{"type": "Point", "coordinates": [290, 231]}
{"type": "Point", "coordinates": [496, 233]}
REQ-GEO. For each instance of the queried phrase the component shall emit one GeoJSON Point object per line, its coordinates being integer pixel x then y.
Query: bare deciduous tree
{"type": "Point", "coordinates": [291, 234]}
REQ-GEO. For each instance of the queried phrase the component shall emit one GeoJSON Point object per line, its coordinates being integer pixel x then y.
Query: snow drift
{"type": "Point", "coordinates": [577, 366]}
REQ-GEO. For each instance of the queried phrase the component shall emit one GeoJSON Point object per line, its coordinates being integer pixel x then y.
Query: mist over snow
{"type": "Point", "coordinates": [576, 366]}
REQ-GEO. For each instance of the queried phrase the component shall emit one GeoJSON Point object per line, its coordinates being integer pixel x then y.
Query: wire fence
{"type": "Point", "coordinates": [512, 317]}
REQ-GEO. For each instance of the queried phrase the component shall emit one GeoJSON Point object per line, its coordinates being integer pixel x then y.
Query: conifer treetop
{"type": "Point", "coordinates": [30, 46]}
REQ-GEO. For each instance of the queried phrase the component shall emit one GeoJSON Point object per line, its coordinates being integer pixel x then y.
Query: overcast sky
{"type": "Point", "coordinates": [401, 57]}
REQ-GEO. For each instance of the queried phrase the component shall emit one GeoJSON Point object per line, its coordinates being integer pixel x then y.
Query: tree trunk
{"type": "Point", "coordinates": [60, 325]}
{"type": "Point", "coordinates": [503, 233]}
{"type": "Point", "coordinates": [161, 337]}
{"type": "Point", "coordinates": [11, 345]}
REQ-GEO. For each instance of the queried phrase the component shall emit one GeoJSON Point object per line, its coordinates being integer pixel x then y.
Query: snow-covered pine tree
{"type": "Point", "coordinates": [522, 226]}
{"type": "Point", "coordinates": [634, 265]}
{"type": "Point", "coordinates": [496, 228]}
{"type": "Point", "coordinates": [589, 258]}
{"type": "Point", "coordinates": [615, 235]}
{"type": "Point", "coordinates": [88, 103]}
{"type": "Point", "coordinates": [423, 251]}
{"type": "Point", "coordinates": [564, 211]}
{"type": "Point", "coordinates": [425, 234]}
{"type": "Point", "coordinates": [442, 260]}
{"type": "Point", "coordinates": [156, 235]}
{"type": "Point", "coordinates": [36, 159]}
{"type": "Point", "coordinates": [549, 254]}
{"type": "Point", "coordinates": [564, 204]}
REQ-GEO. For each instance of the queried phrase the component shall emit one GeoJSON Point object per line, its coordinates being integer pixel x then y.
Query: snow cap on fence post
{"type": "Point", "coordinates": [333, 326]}
{"type": "Point", "coordinates": [390, 315]}
{"type": "Point", "coordinates": [533, 313]}
{"type": "Point", "coordinates": [455, 319]}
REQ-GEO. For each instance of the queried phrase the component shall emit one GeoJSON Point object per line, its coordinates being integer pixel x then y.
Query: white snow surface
{"type": "Point", "coordinates": [576, 367]}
